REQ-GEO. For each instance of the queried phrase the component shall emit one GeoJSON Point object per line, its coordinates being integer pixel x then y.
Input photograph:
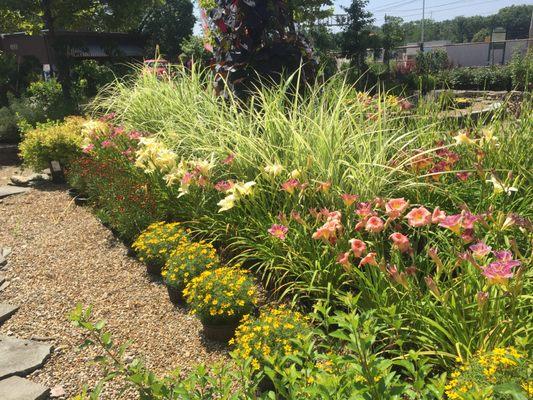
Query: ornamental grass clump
{"type": "Point", "coordinates": [187, 261]}
{"type": "Point", "coordinates": [502, 373]}
{"type": "Point", "coordinates": [269, 337]}
{"type": "Point", "coordinates": [156, 243]}
{"type": "Point", "coordinates": [222, 296]}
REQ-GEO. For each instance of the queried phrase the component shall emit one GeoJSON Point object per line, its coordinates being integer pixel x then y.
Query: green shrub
{"type": "Point", "coordinates": [522, 71]}
{"type": "Point", "coordinates": [477, 78]}
{"type": "Point", "coordinates": [43, 101]}
{"type": "Point", "coordinates": [9, 132]}
{"type": "Point", "coordinates": [53, 141]}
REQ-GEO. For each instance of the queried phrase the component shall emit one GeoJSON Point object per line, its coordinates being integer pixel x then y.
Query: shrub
{"type": "Point", "coordinates": [221, 296]}
{"type": "Point", "coordinates": [187, 261]}
{"type": "Point", "coordinates": [522, 71]}
{"type": "Point", "coordinates": [157, 242]}
{"type": "Point", "coordinates": [478, 78]}
{"type": "Point", "coordinates": [502, 373]}
{"type": "Point", "coordinates": [9, 132]}
{"type": "Point", "coordinates": [431, 62]}
{"type": "Point", "coordinates": [53, 141]}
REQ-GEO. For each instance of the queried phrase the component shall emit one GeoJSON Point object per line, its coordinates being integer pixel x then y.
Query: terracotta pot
{"type": "Point", "coordinates": [220, 333]}
{"type": "Point", "coordinates": [175, 295]}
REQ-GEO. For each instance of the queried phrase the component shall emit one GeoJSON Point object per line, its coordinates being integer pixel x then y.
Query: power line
{"type": "Point", "coordinates": [386, 6]}
{"type": "Point", "coordinates": [432, 9]}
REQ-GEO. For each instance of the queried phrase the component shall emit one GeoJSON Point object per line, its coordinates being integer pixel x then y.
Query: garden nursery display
{"type": "Point", "coordinates": [344, 245]}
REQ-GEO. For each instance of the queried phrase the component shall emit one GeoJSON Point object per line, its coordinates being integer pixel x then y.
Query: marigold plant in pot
{"type": "Point", "coordinates": [272, 333]}
{"type": "Point", "coordinates": [155, 244]}
{"type": "Point", "coordinates": [186, 262]}
{"type": "Point", "coordinates": [220, 298]}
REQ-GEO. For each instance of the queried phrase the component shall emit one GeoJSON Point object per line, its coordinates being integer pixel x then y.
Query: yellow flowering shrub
{"type": "Point", "coordinates": [53, 141]}
{"type": "Point", "coordinates": [270, 334]}
{"type": "Point", "coordinates": [221, 296]}
{"type": "Point", "coordinates": [188, 261]}
{"type": "Point", "coordinates": [492, 375]}
{"type": "Point", "coordinates": [155, 244]}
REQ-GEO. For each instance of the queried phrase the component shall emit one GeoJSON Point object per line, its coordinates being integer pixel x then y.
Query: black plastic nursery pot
{"type": "Point", "coordinates": [154, 268]}
{"type": "Point", "coordinates": [175, 295]}
{"type": "Point", "coordinates": [220, 333]}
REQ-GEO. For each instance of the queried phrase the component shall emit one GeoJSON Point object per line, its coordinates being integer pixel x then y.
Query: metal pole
{"type": "Point", "coordinates": [423, 24]}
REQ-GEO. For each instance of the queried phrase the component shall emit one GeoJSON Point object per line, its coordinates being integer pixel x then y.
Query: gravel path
{"type": "Point", "coordinates": [62, 256]}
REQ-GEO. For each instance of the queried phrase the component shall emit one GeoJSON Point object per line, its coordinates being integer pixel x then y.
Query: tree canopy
{"type": "Point", "coordinates": [167, 25]}
{"type": "Point", "coordinates": [90, 15]}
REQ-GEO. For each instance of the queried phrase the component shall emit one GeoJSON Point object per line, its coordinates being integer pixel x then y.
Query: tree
{"type": "Point", "coordinates": [392, 35]}
{"type": "Point", "coordinates": [480, 35]}
{"type": "Point", "coordinates": [356, 36]}
{"type": "Point", "coordinates": [310, 10]}
{"type": "Point", "coordinates": [167, 25]}
{"type": "Point", "coordinates": [194, 48]}
{"type": "Point", "coordinates": [255, 40]}
{"type": "Point", "coordinates": [55, 15]}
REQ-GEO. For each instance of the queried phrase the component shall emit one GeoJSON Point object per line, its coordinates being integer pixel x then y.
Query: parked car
{"type": "Point", "coordinates": [160, 67]}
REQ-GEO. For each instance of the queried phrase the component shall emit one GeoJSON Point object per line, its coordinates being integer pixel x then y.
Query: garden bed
{"type": "Point", "coordinates": [62, 256]}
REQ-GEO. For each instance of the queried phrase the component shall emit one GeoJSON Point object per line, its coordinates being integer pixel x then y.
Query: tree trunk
{"type": "Point", "coordinates": [59, 49]}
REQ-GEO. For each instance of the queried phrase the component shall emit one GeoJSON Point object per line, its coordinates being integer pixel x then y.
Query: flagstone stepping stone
{"type": "Point", "coordinates": [6, 311]}
{"type": "Point", "coordinates": [30, 180]}
{"type": "Point", "coordinates": [20, 357]}
{"type": "Point", "coordinates": [17, 388]}
{"type": "Point", "coordinates": [11, 190]}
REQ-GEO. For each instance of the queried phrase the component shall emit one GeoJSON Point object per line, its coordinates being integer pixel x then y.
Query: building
{"type": "Point", "coordinates": [478, 54]}
{"type": "Point", "coordinates": [80, 45]}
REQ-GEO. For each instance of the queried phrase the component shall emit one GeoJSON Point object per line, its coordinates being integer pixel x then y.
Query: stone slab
{"type": "Point", "coordinates": [6, 311]}
{"type": "Point", "coordinates": [20, 357]}
{"type": "Point", "coordinates": [12, 190]}
{"type": "Point", "coordinates": [17, 388]}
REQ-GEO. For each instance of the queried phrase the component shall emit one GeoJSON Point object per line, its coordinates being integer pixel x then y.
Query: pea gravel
{"type": "Point", "coordinates": [62, 256]}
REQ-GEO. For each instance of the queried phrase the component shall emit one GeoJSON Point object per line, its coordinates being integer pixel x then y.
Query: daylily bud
{"type": "Point", "coordinates": [432, 286]}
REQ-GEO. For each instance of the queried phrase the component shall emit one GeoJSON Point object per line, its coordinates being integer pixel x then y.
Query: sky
{"type": "Point", "coordinates": [438, 10]}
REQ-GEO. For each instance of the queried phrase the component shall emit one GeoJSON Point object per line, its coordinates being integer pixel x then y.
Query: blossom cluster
{"type": "Point", "coordinates": [272, 333]}
{"type": "Point", "coordinates": [219, 296]}
{"type": "Point", "coordinates": [156, 243]}
{"type": "Point", "coordinates": [487, 370]}
{"type": "Point", "coordinates": [187, 261]}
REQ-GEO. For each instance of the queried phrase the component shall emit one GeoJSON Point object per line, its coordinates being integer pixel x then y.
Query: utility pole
{"type": "Point", "coordinates": [423, 25]}
{"type": "Point", "coordinates": [530, 39]}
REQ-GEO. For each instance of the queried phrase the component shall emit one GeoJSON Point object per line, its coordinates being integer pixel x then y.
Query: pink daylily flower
{"type": "Point", "coordinates": [437, 216]}
{"type": "Point", "coordinates": [396, 207]}
{"type": "Point", "coordinates": [401, 242]}
{"type": "Point", "coordinates": [418, 217]}
{"type": "Point", "coordinates": [223, 186]}
{"type": "Point", "coordinates": [364, 209]}
{"type": "Point", "coordinates": [279, 231]}
{"type": "Point", "coordinates": [291, 185]}
{"type": "Point", "coordinates": [369, 259]}
{"type": "Point", "coordinates": [344, 260]}
{"type": "Point", "coordinates": [499, 272]}
{"type": "Point", "coordinates": [480, 250]}
{"type": "Point", "coordinates": [374, 225]}
{"type": "Point", "coordinates": [349, 199]}
{"type": "Point", "coordinates": [358, 247]}
{"type": "Point", "coordinates": [453, 223]}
